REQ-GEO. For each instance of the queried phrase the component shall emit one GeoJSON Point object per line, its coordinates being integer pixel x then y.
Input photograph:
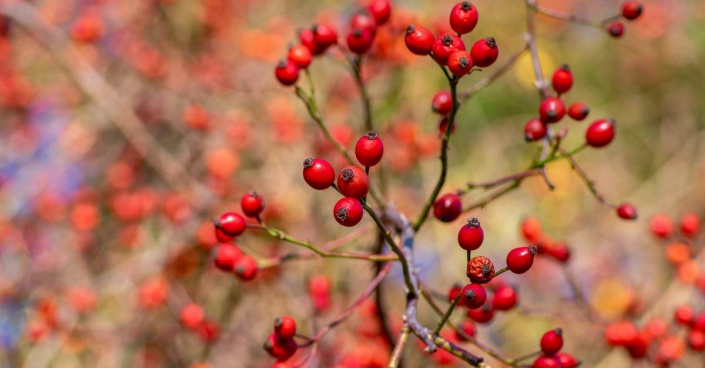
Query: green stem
{"type": "Point", "coordinates": [447, 314]}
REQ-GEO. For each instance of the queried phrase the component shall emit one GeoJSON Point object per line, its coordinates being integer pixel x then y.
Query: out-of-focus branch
{"type": "Point", "coordinates": [95, 86]}
{"type": "Point", "coordinates": [399, 347]}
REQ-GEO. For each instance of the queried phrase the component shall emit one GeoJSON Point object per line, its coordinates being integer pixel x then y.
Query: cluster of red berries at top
{"type": "Point", "coordinates": [631, 10]}
{"type": "Point", "coordinates": [228, 256]}
{"type": "Point", "coordinates": [317, 39]}
{"type": "Point", "coordinates": [352, 182]}
{"type": "Point", "coordinates": [280, 344]}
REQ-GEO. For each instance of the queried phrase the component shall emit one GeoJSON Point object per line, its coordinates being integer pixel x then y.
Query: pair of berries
{"type": "Point", "coordinates": [551, 344]}
{"type": "Point", "coordinates": [353, 183]}
{"type": "Point", "coordinates": [631, 10]}
{"type": "Point", "coordinates": [314, 41]}
{"type": "Point", "coordinates": [280, 344]}
{"type": "Point", "coordinates": [229, 258]}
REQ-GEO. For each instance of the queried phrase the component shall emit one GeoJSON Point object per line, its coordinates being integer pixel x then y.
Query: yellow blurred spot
{"type": "Point", "coordinates": [524, 70]}
{"type": "Point", "coordinates": [612, 297]}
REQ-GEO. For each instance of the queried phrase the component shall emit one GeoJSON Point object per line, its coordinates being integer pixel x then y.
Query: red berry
{"type": "Point", "coordinates": [359, 40]}
{"type": "Point", "coordinates": [369, 149]}
{"type": "Point", "coordinates": [419, 40]}
{"type": "Point", "coordinates": [324, 36]}
{"type": "Point", "coordinates": [442, 102]}
{"type": "Point", "coordinates": [696, 340]}
{"type": "Point", "coordinates": [484, 52]}
{"type": "Point", "coordinates": [463, 17]}
{"type": "Point", "coordinates": [661, 226]}
{"type": "Point", "coordinates": [231, 224]}
{"type": "Point", "coordinates": [252, 204]}
{"type": "Point", "coordinates": [318, 173]}
{"type": "Point", "coordinates": [600, 133]}
{"type": "Point", "coordinates": [560, 252]}
{"type": "Point", "coordinates": [551, 110]}
{"type": "Point", "coordinates": [443, 124]}
{"type": "Point", "coordinates": [460, 63]}
{"type": "Point", "coordinates": [546, 362]}
{"type": "Point", "coordinates": [552, 342]}
{"type": "Point", "coordinates": [226, 255]}
{"type": "Point", "coordinates": [534, 130]}
{"type": "Point", "coordinates": [300, 55]}
{"type": "Point", "coordinates": [444, 46]}
{"type": "Point", "coordinates": [627, 211]}
{"type": "Point", "coordinates": [192, 315]}
{"type": "Point", "coordinates": [363, 20]}
{"type": "Point", "coordinates": [615, 29]}
{"type": "Point", "coordinates": [287, 72]}
{"type": "Point", "coordinates": [562, 79]}
{"type": "Point", "coordinates": [470, 236]}
{"type": "Point", "coordinates": [690, 225]}
{"type": "Point", "coordinates": [307, 39]}
{"type": "Point", "coordinates": [285, 327]}
{"type": "Point", "coordinates": [505, 298]}
{"type": "Point", "coordinates": [684, 315]}
{"type": "Point", "coordinates": [467, 326]}
{"type": "Point", "coordinates": [484, 314]}
{"type": "Point", "coordinates": [473, 296]}
{"type": "Point", "coordinates": [245, 268]}
{"type": "Point", "coordinates": [280, 349]}
{"type": "Point", "coordinates": [632, 10]}
{"type": "Point", "coordinates": [348, 211]}
{"type": "Point", "coordinates": [447, 208]}
{"type": "Point", "coordinates": [519, 260]}
{"type": "Point", "coordinates": [620, 333]}
{"type": "Point", "coordinates": [222, 237]}
{"type": "Point", "coordinates": [380, 10]}
{"type": "Point", "coordinates": [454, 291]}
{"type": "Point", "coordinates": [353, 182]}
{"type": "Point", "coordinates": [480, 270]}
{"type": "Point", "coordinates": [578, 111]}
{"type": "Point", "coordinates": [567, 360]}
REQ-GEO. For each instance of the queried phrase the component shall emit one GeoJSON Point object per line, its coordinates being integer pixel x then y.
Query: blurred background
{"type": "Point", "coordinates": [125, 126]}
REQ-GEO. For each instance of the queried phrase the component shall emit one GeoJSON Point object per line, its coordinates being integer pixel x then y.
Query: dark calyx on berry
{"type": "Point", "coordinates": [347, 175]}
{"type": "Point", "coordinates": [466, 5]}
{"type": "Point", "coordinates": [371, 134]}
{"type": "Point", "coordinates": [308, 162]}
{"type": "Point", "coordinates": [447, 40]}
{"type": "Point", "coordinates": [342, 214]}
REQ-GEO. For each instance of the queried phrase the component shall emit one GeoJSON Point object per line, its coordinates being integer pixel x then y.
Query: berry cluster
{"type": "Point", "coordinates": [280, 344]}
{"type": "Point", "coordinates": [631, 10]}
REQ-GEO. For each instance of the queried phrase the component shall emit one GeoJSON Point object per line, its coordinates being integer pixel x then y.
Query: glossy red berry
{"type": "Point", "coordinates": [562, 79]}
{"type": "Point", "coordinates": [551, 110]}
{"type": "Point", "coordinates": [222, 237]}
{"type": "Point", "coordinates": [578, 111]}
{"type": "Point", "coordinates": [505, 297]}
{"type": "Point", "coordinates": [318, 173]}
{"type": "Point", "coordinates": [245, 268]}
{"type": "Point", "coordinates": [483, 314]}
{"type": "Point", "coordinates": [552, 342]}
{"type": "Point", "coordinates": [632, 10]}
{"type": "Point", "coordinates": [280, 349]}
{"type": "Point", "coordinates": [353, 182]}
{"type": "Point", "coordinates": [419, 40]}
{"type": "Point", "coordinates": [285, 327]}
{"type": "Point", "coordinates": [447, 208]}
{"type": "Point", "coordinates": [359, 40]}
{"type": "Point", "coordinates": [444, 46]}
{"type": "Point", "coordinates": [307, 39]}
{"type": "Point", "coordinates": [546, 362]}
{"type": "Point", "coordinates": [369, 149]}
{"type": "Point", "coordinates": [460, 63]}
{"type": "Point", "coordinates": [226, 255]}
{"type": "Point", "coordinates": [470, 236]}
{"type": "Point", "coordinates": [300, 55]}
{"type": "Point", "coordinates": [442, 102]}
{"type": "Point", "coordinates": [252, 204]}
{"type": "Point", "coordinates": [661, 226]}
{"type": "Point", "coordinates": [600, 133]}
{"type": "Point", "coordinates": [473, 296]}
{"type": "Point", "coordinates": [363, 20]}
{"type": "Point", "coordinates": [690, 225]}
{"type": "Point", "coordinates": [231, 224]}
{"type": "Point", "coordinates": [534, 130]}
{"type": "Point", "coordinates": [287, 72]}
{"type": "Point", "coordinates": [627, 211]}
{"type": "Point", "coordinates": [480, 270]}
{"type": "Point", "coordinates": [348, 211]}
{"type": "Point", "coordinates": [380, 10]}
{"type": "Point", "coordinates": [519, 260]}
{"type": "Point", "coordinates": [324, 35]}
{"type": "Point", "coordinates": [567, 360]}
{"type": "Point", "coordinates": [615, 29]}
{"type": "Point", "coordinates": [484, 52]}
{"type": "Point", "coordinates": [463, 17]}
